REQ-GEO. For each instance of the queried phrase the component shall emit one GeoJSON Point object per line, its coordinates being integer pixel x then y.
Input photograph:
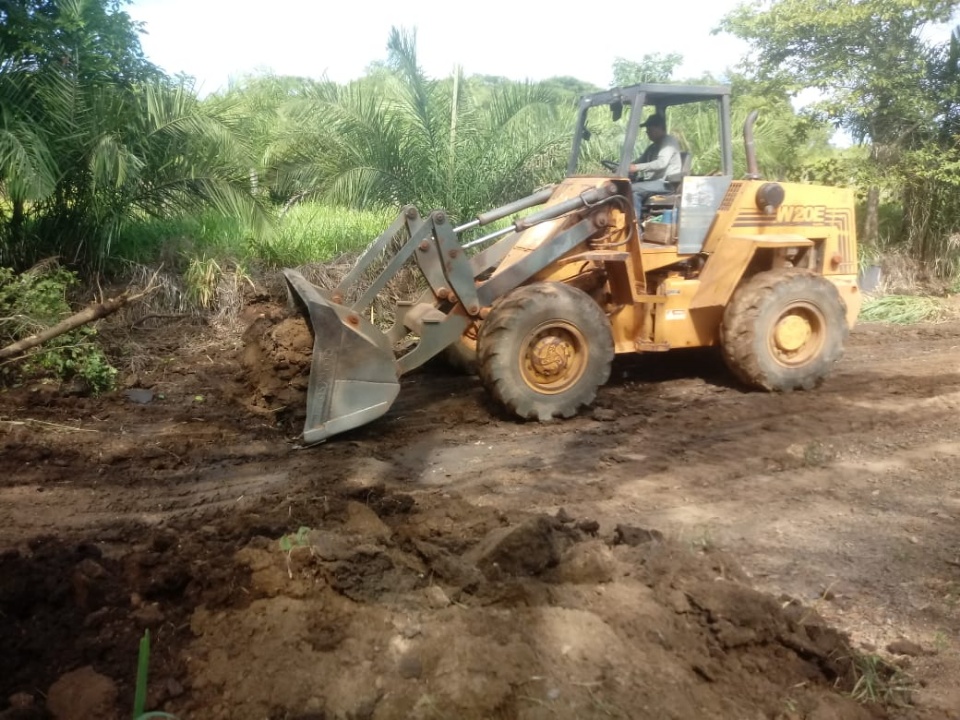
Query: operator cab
{"type": "Point", "coordinates": [692, 199]}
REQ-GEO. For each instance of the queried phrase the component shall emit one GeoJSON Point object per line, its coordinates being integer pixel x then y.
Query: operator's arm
{"type": "Point", "coordinates": [660, 162]}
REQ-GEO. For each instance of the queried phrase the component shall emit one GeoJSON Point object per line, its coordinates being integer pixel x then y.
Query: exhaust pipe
{"type": "Point", "coordinates": [753, 173]}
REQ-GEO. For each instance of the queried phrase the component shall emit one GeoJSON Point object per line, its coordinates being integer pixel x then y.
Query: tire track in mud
{"type": "Point", "coordinates": [65, 508]}
{"type": "Point", "coordinates": [444, 433]}
{"type": "Point", "coordinates": [713, 433]}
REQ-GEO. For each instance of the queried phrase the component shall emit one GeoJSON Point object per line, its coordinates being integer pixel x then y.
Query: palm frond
{"type": "Point", "coordinates": [27, 168]}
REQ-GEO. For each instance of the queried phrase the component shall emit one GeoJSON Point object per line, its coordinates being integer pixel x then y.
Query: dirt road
{"type": "Point", "coordinates": [454, 562]}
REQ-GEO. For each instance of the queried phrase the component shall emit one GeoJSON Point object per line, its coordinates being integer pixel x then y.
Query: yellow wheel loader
{"type": "Point", "coordinates": [765, 270]}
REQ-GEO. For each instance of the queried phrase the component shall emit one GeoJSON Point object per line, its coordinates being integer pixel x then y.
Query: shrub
{"type": "Point", "coordinates": [33, 301]}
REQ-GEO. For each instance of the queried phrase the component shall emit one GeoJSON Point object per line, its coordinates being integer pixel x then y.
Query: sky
{"type": "Point", "coordinates": [214, 40]}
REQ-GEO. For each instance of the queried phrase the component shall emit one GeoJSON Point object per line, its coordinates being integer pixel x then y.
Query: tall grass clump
{"type": "Point", "coordinates": [903, 309]}
{"type": "Point", "coordinates": [315, 232]}
{"type": "Point", "coordinates": [176, 240]}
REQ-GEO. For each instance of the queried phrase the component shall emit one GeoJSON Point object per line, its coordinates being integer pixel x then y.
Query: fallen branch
{"type": "Point", "coordinates": [30, 421]}
{"type": "Point", "coordinates": [93, 312]}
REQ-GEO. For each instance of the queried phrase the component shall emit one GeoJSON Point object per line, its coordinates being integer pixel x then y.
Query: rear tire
{"type": "Point", "coordinates": [784, 330]}
{"type": "Point", "coordinates": [544, 350]}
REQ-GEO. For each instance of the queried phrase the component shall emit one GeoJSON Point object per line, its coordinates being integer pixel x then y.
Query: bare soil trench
{"type": "Point", "coordinates": [686, 549]}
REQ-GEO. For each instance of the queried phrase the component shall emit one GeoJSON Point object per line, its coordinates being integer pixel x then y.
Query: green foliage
{"type": "Point", "coordinates": [884, 83]}
{"type": "Point", "coordinates": [562, 86]}
{"type": "Point", "coordinates": [176, 239]}
{"type": "Point", "coordinates": [414, 139]}
{"type": "Point", "coordinates": [193, 244]}
{"type": "Point", "coordinates": [104, 161]}
{"type": "Point", "coordinates": [843, 168]}
{"type": "Point", "coordinates": [92, 136]}
{"type": "Point", "coordinates": [143, 668]}
{"type": "Point", "coordinates": [867, 58]}
{"type": "Point", "coordinates": [259, 105]}
{"type": "Point", "coordinates": [929, 172]}
{"type": "Point", "coordinates": [35, 300]}
{"type": "Point", "coordinates": [314, 232]}
{"type": "Point", "coordinates": [652, 68]}
{"type": "Point", "coordinates": [296, 540]}
{"type": "Point", "coordinates": [93, 40]}
{"type": "Point", "coordinates": [879, 682]}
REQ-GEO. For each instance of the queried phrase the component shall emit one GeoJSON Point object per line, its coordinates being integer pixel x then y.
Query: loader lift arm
{"type": "Point", "coordinates": [355, 369]}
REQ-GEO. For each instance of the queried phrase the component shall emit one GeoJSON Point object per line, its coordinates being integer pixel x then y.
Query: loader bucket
{"type": "Point", "coordinates": [354, 377]}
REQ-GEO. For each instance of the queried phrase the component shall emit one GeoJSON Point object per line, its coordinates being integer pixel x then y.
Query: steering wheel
{"type": "Point", "coordinates": [611, 165]}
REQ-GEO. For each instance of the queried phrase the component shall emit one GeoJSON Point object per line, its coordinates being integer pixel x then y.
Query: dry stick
{"type": "Point", "coordinates": [28, 421]}
{"type": "Point", "coordinates": [92, 312]}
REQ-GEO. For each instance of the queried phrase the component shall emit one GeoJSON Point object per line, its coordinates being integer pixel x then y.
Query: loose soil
{"type": "Point", "coordinates": [685, 549]}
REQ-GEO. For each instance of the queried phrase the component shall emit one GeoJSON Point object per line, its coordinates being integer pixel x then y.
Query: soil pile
{"type": "Point", "coordinates": [402, 616]}
{"type": "Point", "coordinates": [275, 363]}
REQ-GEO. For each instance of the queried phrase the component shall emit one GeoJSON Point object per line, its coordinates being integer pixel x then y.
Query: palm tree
{"type": "Point", "coordinates": [28, 171]}
{"type": "Point", "coordinates": [87, 146]}
{"type": "Point", "coordinates": [401, 137]}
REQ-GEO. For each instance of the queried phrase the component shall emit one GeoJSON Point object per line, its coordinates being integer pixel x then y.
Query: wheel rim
{"type": "Point", "coordinates": [798, 334]}
{"type": "Point", "coordinates": [553, 357]}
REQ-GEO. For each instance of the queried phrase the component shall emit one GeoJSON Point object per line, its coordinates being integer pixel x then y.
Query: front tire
{"type": "Point", "coordinates": [462, 355]}
{"type": "Point", "coordinates": [544, 350]}
{"type": "Point", "coordinates": [784, 330]}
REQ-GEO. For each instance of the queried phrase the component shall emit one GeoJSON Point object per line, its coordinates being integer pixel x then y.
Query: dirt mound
{"type": "Point", "coordinates": [276, 356]}
{"type": "Point", "coordinates": [70, 605]}
{"type": "Point", "coordinates": [534, 619]}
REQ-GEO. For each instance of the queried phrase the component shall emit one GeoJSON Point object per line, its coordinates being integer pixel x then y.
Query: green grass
{"type": "Point", "coordinates": [902, 309]}
{"type": "Point", "coordinates": [309, 232]}
{"type": "Point", "coordinates": [877, 681]}
{"type": "Point", "coordinates": [140, 689]}
{"type": "Point", "coordinates": [177, 240]}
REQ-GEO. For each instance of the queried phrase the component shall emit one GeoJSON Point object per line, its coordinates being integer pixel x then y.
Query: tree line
{"type": "Point", "coordinates": [95, 139]}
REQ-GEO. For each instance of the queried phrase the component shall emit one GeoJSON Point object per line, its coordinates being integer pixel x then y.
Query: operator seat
{"type": "Point", "coordinates": [672, 200]}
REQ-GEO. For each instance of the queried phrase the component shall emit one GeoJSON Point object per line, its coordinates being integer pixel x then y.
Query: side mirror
{"type": "Point", "coordinates": [616, 109]}
{"type": "Point", "coordinates": [586, 133]}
